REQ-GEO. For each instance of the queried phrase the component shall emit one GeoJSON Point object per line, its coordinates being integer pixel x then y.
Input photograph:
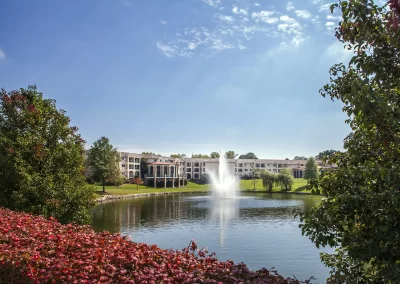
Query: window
{"type": "Point", "coordinates": [263, 165]}
{"type": "Point", "coordinates": [137, 160]}
{"type": "Point", "coordinates": [204, 169]}
{"type": "Point", "coordinates": [240, 170]}
{"type": "Point", "coordinates": [196, 176]}
{"type": "Point", "coordinates": [189, 176]}
{"type": "Point", "coordinates": [302, 165]}
{"type": "Point", "coordinates": [240, 165]}
{"type": "Point", "coordinates": [188, 170]}
{"type": "Point", "coordinates": [279, 165]}
{"type": "Point", "coordinates": [196, 164]}
{"type": "Point", "coordinates": [136, 167]}
{"type": "Point", "coordinates": [197, 170]}
{"type": "Point", "coordinates": [131, 160]}
{"type": "Point", "coordinates": [246, 170]}
{"type": "Point", "coordinates": [235, 170]}
{"type": "Point", "coordinates": [189, 164]}
{"type": "Point", "coordinates": [123, 165]}
{"type": "Point", "coordinates": [204, 164]}
{"type": "Point", "coordinates": [131, 167]}
{"type": "Point", "coordinates": [257, 165]}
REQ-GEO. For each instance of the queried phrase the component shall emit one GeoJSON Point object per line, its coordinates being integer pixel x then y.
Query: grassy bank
{"type": "Point", "coordinates": [298, 186]}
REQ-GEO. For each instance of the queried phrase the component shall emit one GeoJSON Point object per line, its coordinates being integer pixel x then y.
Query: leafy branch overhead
{"type": "Point", "coordinates": [361, 215]}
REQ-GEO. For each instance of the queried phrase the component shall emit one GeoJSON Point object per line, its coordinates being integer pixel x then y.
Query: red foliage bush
{"type": "Point", "coordinates": [36, 250]}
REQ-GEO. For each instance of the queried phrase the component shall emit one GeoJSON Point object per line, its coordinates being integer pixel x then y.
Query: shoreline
{"type": "Point", "coordinates": [135, 195]}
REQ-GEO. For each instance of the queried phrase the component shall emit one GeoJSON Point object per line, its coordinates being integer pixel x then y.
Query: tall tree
{"type": "Point", "coordinates": [325, 154]}
{"type": "Point", "coordinates": [361, 215]}
{"type": "Point", "coordinates": [214, 155]}
{"type": "Point", "coordinates": [41, 159]}
{"type": "Point", "coordinates": [285, 179]}
{"type": "Point", "coordinates": [300, 158]}
{"type": "Point", "coordinates": [230, 155]}
{"type": "Point", "coordinates": [103, 161]}
{"type": "Point", "coordinates": [311, 170]}
{"type": "Point", "coordinates": [249, 155]}
{"type": "Point", "coordinates": [268, 179]}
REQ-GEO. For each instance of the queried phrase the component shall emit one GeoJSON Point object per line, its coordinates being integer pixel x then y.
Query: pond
{"type": "Point", "coordinates": [258, 229]}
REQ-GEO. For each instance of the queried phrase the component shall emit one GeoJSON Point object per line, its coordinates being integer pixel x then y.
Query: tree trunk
{"type": "Point", "coordinates": [104, 188]}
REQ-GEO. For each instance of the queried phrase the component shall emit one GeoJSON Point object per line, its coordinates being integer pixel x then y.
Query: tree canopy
{"type": "Point", "coordinates": [102, 160]}
{"type": "Point", "coordinates": [361, 215]}
{"type": "Point", "coordinates": [325, 154]}
{"type": "Point", "coordinates": [41, 159]}
{"type": "Point", "coordinates": [249, 155]}
{"type": "Point", "coordinates": [300, 158]}
{"type": "Point", "coordinates": [311, 170]}
{"type": "Point", "coordinates": [178, 156]}
{"type": "Point", "coordinates": [230, 155]}
{"type": "Point", "coordinates": [214, 155]}
{"type": "Point", "coordinates": [200, 156]}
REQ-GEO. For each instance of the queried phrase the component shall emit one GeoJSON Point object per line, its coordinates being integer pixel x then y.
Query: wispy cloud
{"type": "Point", "coordinates": [256, 4]}
{"type": "Point", "coordinates": [303, 14]}
{"type": "Point", "coordinates": [2, 54]}
{"type": "Point", "coordinates": [264, 16]}
{"type": "Point", "coordinates": [333, 18]}
{"type": "Point", "coordinates": [213, 3]}
{"type": "Point", "coordinates": [162, 22]}
{"type": "Point", "coordinates": [236, 10]}
{"type": "Point", "coordinates": [289, 6]}
{"type": "Point", "coordinates": [325, 7]}
{"type": "Point", "coordinates": [337, 52]}
{"type": "Point", "coordinates": [225, 18]}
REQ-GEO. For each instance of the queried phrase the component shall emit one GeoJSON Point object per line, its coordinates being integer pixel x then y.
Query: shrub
{"type": "Point", "coordinates": [36, 250]}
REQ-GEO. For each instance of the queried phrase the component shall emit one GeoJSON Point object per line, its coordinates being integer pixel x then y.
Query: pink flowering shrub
{"type": "Point", "coordinates": [38, 250]}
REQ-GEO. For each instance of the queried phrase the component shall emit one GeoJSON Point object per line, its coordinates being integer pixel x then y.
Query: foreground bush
{"type": "Point", "coordinates": [36, 250]}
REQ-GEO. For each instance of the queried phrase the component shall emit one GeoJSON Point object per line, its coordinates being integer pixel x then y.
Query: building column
{"type": "Point", "coordinates": [165, 180]}
{"type": "Point", "coordinates": [155, 177]}
{"type": "Point", "coordinates": [173, 180]}
{"type": "Point", "coordinates": [179, 181]}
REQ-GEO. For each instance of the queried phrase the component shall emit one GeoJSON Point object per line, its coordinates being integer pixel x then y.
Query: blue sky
{"type": "Point", "coordinates": [182, 76]}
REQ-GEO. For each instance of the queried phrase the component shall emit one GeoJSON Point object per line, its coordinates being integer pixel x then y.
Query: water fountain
{"type": "Point", "coordinates": [224, 184]}
{"type": "Point", "coordinates": [225, 190]}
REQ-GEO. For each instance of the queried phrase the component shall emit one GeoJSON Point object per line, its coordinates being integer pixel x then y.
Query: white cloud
{"type": "Point", "coordinates": [325, 7]}
{"type": "Point", "coordinates": [316, 21]}
{"type": "Point", "coordinates": [236, 10]}
{"type": "Point", "coordinates": [2, 54]}
{"type": "Point", "coordinates": [225, 18]}
{"type": "Point", "coordinates": [162, 22]}
{"type": "Point", "coordinates": [192, 45]}
{"type": "Point", "coordinates": [256, 4]}
{"type": "Point", "coordinates": [334, 18]}
{"type": "Point", "coordinates": [289, 6]}
{"type": "Point", "coordinates": [264, 16]}
{"type": "Point", "coordinates": [316, 1]}
{"type": "Point", "coordinates": [213, 3]}
{"type": "Point", "coordinates": [338, 53]}
{"type": "Point", "coordinates": [330, 24]}
{"type": "Point", "coordinates": [303, 14]}
{"type": "Point", "coordinates": [168, 50]}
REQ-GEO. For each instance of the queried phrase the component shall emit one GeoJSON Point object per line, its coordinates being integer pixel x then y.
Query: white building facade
{"type": "Point", "coordinates": [193, 169]}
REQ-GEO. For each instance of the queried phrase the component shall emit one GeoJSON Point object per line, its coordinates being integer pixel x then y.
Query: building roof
{"type": "Point", "coordinates": [162, 163]}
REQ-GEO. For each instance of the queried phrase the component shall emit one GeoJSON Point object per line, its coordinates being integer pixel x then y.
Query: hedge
{"type": "Point", "coordinates": [38, 250]}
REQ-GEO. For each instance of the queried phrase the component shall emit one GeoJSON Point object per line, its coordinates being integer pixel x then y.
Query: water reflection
{"type": "Point", "coordinates": [258, 229]}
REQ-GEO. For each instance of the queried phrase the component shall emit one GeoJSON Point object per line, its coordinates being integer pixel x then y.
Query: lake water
{"type": "Point", "coordinates": [258, 229]}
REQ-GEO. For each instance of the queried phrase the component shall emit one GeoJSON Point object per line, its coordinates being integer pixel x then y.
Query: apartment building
{"type": "Point", "coordinates": [188, 168]}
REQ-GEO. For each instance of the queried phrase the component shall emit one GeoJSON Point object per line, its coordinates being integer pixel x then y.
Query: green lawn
{"type": "Point", "coordinates": [298, 186]}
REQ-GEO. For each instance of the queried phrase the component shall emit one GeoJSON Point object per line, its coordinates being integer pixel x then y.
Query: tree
{"type": "Point", "coordinates": [361, 215]}
{"type": "Point", "coordinates": [285, 179]}
{"type": "Point", "coordinates": [137, 180]}
{"type": "Point", "coordinates": [41, 159]}
{"type": "Point", "coordinates": [205, 179]}
{"type": "Point", "coordinates": [214, 155]}
{"type": "Point", "coordinates": [179, 156]}
{"type": "Point", "coordinates": [230, 155]}
{"type": "Point", "coordinates": [268, 179]}
{"type": "Point", "coordinates": [249, 155]}
{"type": "Point", "coordinates": [299, 158]}
{"type": "Point", "coordinates": [325, 154]}
{"type": "Point", "coordinates": [103, 161]}
{"type": "Point", "coordinates": [311, 170]}
{"type": "Point", "coordinates": [200, 156]}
